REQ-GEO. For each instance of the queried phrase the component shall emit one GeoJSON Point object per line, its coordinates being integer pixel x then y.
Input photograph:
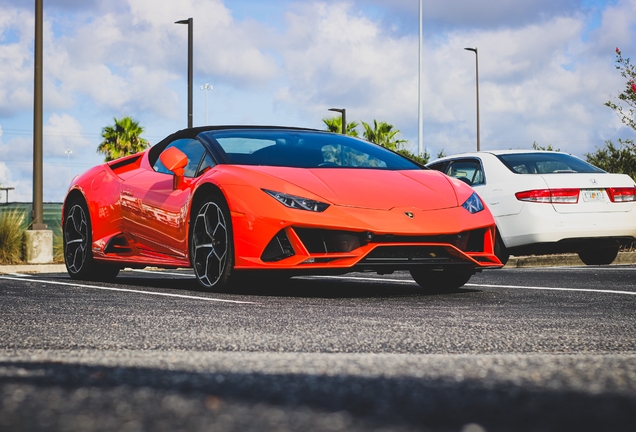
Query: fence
{"type": "Point", "coordinates": [52, 212]}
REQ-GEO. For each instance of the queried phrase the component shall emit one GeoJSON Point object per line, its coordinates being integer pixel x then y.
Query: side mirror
{"type": "Point", "coordinates": [174, 160]}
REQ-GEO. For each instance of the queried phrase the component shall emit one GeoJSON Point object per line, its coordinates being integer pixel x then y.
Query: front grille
{"type": "Point", "coordinates": [330, 241]}
{"type": "Point", "coordinates": [467, 241]}
{"type": "Point", "coordinates": [396, 255]}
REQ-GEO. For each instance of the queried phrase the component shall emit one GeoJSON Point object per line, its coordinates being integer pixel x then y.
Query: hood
{"type": "Point", "coordinates": [371, 188]}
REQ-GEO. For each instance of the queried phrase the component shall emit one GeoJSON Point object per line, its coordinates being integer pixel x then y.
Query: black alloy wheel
{"type": "Point", "coordinates": [78, 256]}
{"type": "Point", "coordinates": [211, 246]}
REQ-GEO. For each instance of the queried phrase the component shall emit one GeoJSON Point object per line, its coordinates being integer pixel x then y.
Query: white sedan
{"type": "Point", "coordinates": [549, 202]}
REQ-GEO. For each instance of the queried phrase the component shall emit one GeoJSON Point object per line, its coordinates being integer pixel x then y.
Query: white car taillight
{"type": "Point", "coordinates": [551, 196]}
{"type": "Point", "coordinates": [622, 194]}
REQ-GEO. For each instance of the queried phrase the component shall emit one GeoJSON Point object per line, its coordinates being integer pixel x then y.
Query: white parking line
{"type": "Point", "coordinates": [23, 279]}
{"type": "Point", "coordinates": [406, 281]}
{"type": "Point", "coordinates": [553, 289]}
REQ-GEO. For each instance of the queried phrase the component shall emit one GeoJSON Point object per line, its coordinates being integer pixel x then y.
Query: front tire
{"type": "Point", "coordinates": [441, 280]}
{"type": "Point", "coordinates": [211, 245]}
{"type": "Point", "coordinates": [78, 238]}
{"type": "Point", "coordinates": [501, 252]}
{"type": "Point", "coordinates": [603, 256]}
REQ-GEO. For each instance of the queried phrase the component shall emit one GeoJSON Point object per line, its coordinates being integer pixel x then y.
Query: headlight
{"type": "Point", "coordinates": [300, 203]}
{"type": "Point", "coordinates": [473, 204]}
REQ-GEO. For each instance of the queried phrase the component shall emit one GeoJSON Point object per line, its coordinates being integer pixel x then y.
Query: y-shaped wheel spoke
{"type": "Point", "coordinates": [210, 239]}
{"type": "Point", "coordinates": [76, 238]}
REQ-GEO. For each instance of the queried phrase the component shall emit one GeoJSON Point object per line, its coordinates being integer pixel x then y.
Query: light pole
{"type": "Point", "coordinates": [68, 157]}
{"type": "Point", "coordinates": [477, 86]}
{"type": "Point", "coordinates": [7, 189]}
{"type": "Point", "coordinates": [420, 113]}
{"type": "Point", "coordinates": [343, 112]}
{"type": "Point", "coordinates": [206, 87]}
{"type": "Point", "coordinates": [189, 22]}
{"type": "Point", "coordinates": [38, 183]}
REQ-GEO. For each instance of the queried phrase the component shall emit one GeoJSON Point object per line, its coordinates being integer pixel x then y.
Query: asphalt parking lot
{"type": "Point", "coordinates": [548, 348]}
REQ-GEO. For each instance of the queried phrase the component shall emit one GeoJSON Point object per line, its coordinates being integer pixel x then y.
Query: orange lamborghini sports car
{"type": "Point", "coordinates": [238, 201]}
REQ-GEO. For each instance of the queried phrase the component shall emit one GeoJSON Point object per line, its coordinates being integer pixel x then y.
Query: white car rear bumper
{"type": "Point", "coordinates": [540, 223]}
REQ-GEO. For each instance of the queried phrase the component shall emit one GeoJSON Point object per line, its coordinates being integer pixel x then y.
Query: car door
{"type": "Point", "coordinates": [155, 215]}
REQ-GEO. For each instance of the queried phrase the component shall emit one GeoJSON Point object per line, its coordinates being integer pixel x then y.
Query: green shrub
{"type": "Point", "coordinates": [11, 233]}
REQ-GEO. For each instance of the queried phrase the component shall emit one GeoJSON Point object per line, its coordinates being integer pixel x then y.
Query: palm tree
{"type": "Point", "coordinates": [122, 139]}
{"type": "Point", "coordinates": [334, 124]}
{"type": "Point", "coordinates": [383, 134]}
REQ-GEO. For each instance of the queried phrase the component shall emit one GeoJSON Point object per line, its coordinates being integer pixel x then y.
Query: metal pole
{"type": "Point", "coordinates": [189, 22]}
{"type": "Point", "coordinates": [7, 189]}
{"type": "Point", "coordinates": [344, 121]}
{"type": "Point", "coordinates": [68, 158]}
{"type": "Point", "coordinates": [206, 87]}
{"type": "Point", "coordinates": [477, 91]}
{"type": "Point", "coordinates": [343, 112]}
{"type": "Point", "coordinates": [38, 200]}
{"type": "Point", "coordinates": [420, 121]}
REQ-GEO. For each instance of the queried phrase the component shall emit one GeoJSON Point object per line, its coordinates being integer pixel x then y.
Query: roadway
{"type": "Point", "coordinates": [515, 349]}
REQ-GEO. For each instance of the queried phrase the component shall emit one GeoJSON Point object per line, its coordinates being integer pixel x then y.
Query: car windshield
{"type": "Point", "coordinates": [303, 149]}
{"type": "Point", "coordinates": [546, 163]}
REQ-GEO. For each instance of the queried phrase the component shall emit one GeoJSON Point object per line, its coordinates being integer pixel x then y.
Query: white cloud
{"type": "Point", "coordinates": [363, 69]}
{"type": "Point", "coordinates": [62, 132]}
{"type": "Point", "coordinates": [546, 68]}
{"type": "Point", "coordinates": [16, 61]}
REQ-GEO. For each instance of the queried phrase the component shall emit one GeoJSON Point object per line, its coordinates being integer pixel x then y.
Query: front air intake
{"type": "Point", "coordinates": [278, 248]}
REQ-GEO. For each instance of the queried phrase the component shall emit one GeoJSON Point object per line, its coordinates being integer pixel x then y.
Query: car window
{"type": "Point", "coordinates": [438, 166]}
{"type": "Point", "coordinates": [469, 171]}
{"type": "Point", "coordinates": [195, 152]}
{"type": "Point", "coordinates": [303, 149]}
{"type": "Point", "coordinates": [206, 164]}
{"type": "Point", "coordinates": [546, 163]}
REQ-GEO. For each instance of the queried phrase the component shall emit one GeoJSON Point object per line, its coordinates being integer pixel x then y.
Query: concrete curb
{"type": "Point", "coordinates": [33, 268]}
{"type": "Point", "coordinates": [564, 260]}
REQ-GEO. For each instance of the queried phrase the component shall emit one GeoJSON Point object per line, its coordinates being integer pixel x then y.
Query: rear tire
{"type": "Point", "coordinates": [78, 239]}
{"type": "Point", "coordinates": [441, 280]}
{"type": "Point", "coordinates": [211, 245]}
{"type": "Point", "coordinates": [603, 256]}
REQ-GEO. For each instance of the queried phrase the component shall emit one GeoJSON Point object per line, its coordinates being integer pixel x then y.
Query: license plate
{"type": "Point", "coordinates": [593, 195]}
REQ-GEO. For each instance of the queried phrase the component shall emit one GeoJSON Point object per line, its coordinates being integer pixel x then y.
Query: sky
{"type": "Point", "coordinates": [546, 68]}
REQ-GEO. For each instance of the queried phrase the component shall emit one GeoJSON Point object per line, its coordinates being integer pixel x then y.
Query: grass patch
{"type": "Point", "coordinates": [12, 227]}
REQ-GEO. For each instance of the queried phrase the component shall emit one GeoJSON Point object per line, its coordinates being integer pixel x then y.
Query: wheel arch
{"type": "Point", "coordinates": [70, 197]}
{"type": "Point", "coordinates": [202, 192]}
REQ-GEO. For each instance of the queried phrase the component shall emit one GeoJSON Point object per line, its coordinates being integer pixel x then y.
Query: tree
{"type": "Point", "coordinates": [614, 159]}
{"type": "Point", "coordinates": [626, 105]}
{"type": "Point", "coordinates": [383, 134]}
{"type": "Point", "coordinates": [122, 139]}
{"type": "Point", "coordinates": [334, 124]}
{"type": "Point", "coordinates": [536, 146]}
{"type": "Point", "coordinates": [421, 159]}
{"type": "Point", "coordinates": [621, 159]}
